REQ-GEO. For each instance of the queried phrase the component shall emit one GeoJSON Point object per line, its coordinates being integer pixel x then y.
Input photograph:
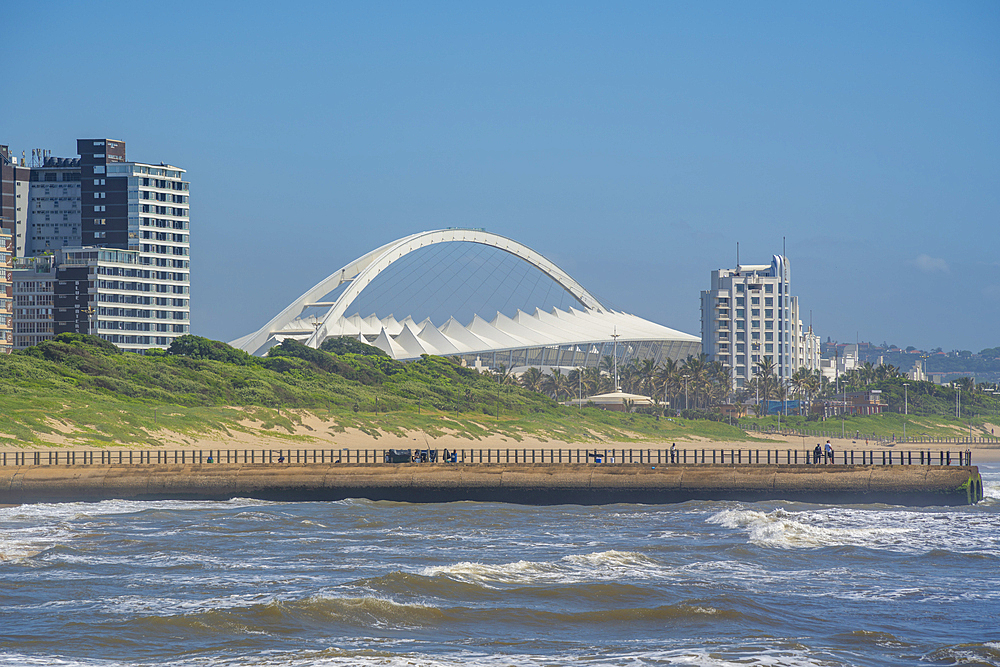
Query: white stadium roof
{"type": "Point", "coordinates": [575, 336]}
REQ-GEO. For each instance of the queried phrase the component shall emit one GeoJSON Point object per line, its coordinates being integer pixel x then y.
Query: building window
{"type": "Point", "coordinates": [768, 347]}
{"type": "Point", "coordinates": [768, 335]}
{"type": "Point", "coordinates": [755, 300]}
{"type": "Point", "coordinates": [755, 312]}
{"type": "Point", "coordinates": [739, 288]}
{"type": "Point", "coordinates": [768, 289]}
{"type": "Point", "coordinates": [769, 312]}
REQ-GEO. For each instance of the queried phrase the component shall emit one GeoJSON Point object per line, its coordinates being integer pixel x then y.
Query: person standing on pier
{"type": "Point", "coordinates": [828, 451]}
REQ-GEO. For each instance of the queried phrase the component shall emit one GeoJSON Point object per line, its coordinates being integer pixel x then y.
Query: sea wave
{"type": "Point", "coordinates": [70, 511]}
{"type": "Point", "coordinates": [602, 565]}
{"type": "Point", "coordinates": [20, 545]}
{"type": "Point", "coordinates": [987, 653]}
{"type": "Point", "coordinates": [899, 531]}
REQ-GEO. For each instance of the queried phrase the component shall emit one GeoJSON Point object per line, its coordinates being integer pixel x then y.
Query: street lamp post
{"type": "Point", "coordinates": [579, 387]}
{"type": "Point", "coordinates": [615, 336]}
{"type": "Point", "coordinates": [89, 311]}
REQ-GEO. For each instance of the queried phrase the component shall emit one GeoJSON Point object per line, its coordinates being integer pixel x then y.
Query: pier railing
{"type": "Point", "coordinates": [486, 456]}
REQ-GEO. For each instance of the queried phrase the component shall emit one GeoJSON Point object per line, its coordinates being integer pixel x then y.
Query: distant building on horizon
{"type": "Point", "coordinates": [77, 211]}
{"type": "Point", "coordinates": [750, 315]}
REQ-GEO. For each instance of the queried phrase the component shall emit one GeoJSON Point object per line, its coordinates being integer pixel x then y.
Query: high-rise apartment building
{"type": "Point", "coordinates": [6, 292]}
{"type": "Point", "coordinates": [34, 288]}
{"type": "Point", "coordinates": [749, 315]}
{"type": "Point", "coordinates": [53, 207]}
{"type": "Point", "coordinates": [77, 211]}
{"type": "Point", "coordinates": [14, 198]}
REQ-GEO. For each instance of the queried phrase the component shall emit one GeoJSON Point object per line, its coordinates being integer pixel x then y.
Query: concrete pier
{"type": "Point", "coordinates": [534, 484]}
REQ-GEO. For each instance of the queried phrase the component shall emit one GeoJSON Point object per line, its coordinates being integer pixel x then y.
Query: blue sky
{"type": "Point", "coordinates": [633, 145]}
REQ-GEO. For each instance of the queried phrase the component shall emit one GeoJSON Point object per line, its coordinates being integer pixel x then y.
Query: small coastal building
{"type": "Point", "coordinates": [616, 401]}
{"type": "Point", "coordinates": [851, 403]}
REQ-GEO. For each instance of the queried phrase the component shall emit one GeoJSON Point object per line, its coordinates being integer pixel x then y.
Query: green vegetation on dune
{"type": "Point", "coordinates": [87, 390]}
{"type": "Point", "coordinates": [883, 426]}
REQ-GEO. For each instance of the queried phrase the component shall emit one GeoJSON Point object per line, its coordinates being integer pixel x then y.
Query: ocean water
{"type": "Point", "coordinates": [374, 583]}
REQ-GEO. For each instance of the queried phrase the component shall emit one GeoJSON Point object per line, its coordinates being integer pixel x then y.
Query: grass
{"type": "Point", "coordinates": [885, 425]}
{"type": "Point", "coordinates": [83, 391]}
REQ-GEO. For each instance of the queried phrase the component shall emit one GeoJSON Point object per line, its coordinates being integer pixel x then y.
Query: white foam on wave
{"type": "Point", "coordinates": [577, 568]}
{"type": "Point", "coordinates": [467, 658]}
{"type": "Point", "coordinates": [70, 511]}
{"type": "Point", "coordinates": [28, 530]}
{"type": "Point", "coordinates": [901, 531]}
{"type": "Point", "coordinates": [18, 545]}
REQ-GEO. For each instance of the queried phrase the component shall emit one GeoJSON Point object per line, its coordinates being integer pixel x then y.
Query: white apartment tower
{"type": "Point", "coordinates": [749, 315]}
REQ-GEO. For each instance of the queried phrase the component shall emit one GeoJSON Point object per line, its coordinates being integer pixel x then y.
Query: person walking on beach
{"type": "Point", "coordinates": [828, 450]}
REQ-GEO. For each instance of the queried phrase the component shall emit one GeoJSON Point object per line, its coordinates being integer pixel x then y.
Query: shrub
{"type": "Point", "coordinates": [351, 346]}
{"type": "Point", "coordinates": [197, 347]}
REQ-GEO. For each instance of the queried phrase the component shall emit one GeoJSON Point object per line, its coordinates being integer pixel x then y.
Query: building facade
{"type": "Point", "coordinates": [6, 292]}
{"type": "Point", "coordinates": [14, 198]}
{"type": "Point", "coordinates": [33, 287]}
{"type": "Point", "coordinates": [749, 316]}
{"type": "Point", "coordinates": [78, 212]}
{"type": "Point", "coordinates": [53, 207]}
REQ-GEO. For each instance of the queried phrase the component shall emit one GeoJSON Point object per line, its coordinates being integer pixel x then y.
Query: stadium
{"type": "Point", "coordinates": [471, 294]}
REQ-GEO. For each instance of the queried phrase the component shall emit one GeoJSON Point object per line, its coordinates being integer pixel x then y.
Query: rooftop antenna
{"type": "Point", "coordinates": [737, 255]}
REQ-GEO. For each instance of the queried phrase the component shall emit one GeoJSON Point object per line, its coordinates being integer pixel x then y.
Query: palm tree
{"type": "Point", "coordinates": [555, 384]}
{"type": "Point", "coordinates": [504, 376]}
{"type": "Point", "coordinates": [668, 380]}
{"type": "Point", "coordinates": [531, 379]}
{"type": "Point", "coordinates": [646, 371]}
{"type": "Point", "coordinates": [695, 368]}
{"type": "Point", "coordinates": [764, 380]}
{"type": "Point", "coordinates": [887, 372]}
{"type": "Point", "coordinates": [593, 381]}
